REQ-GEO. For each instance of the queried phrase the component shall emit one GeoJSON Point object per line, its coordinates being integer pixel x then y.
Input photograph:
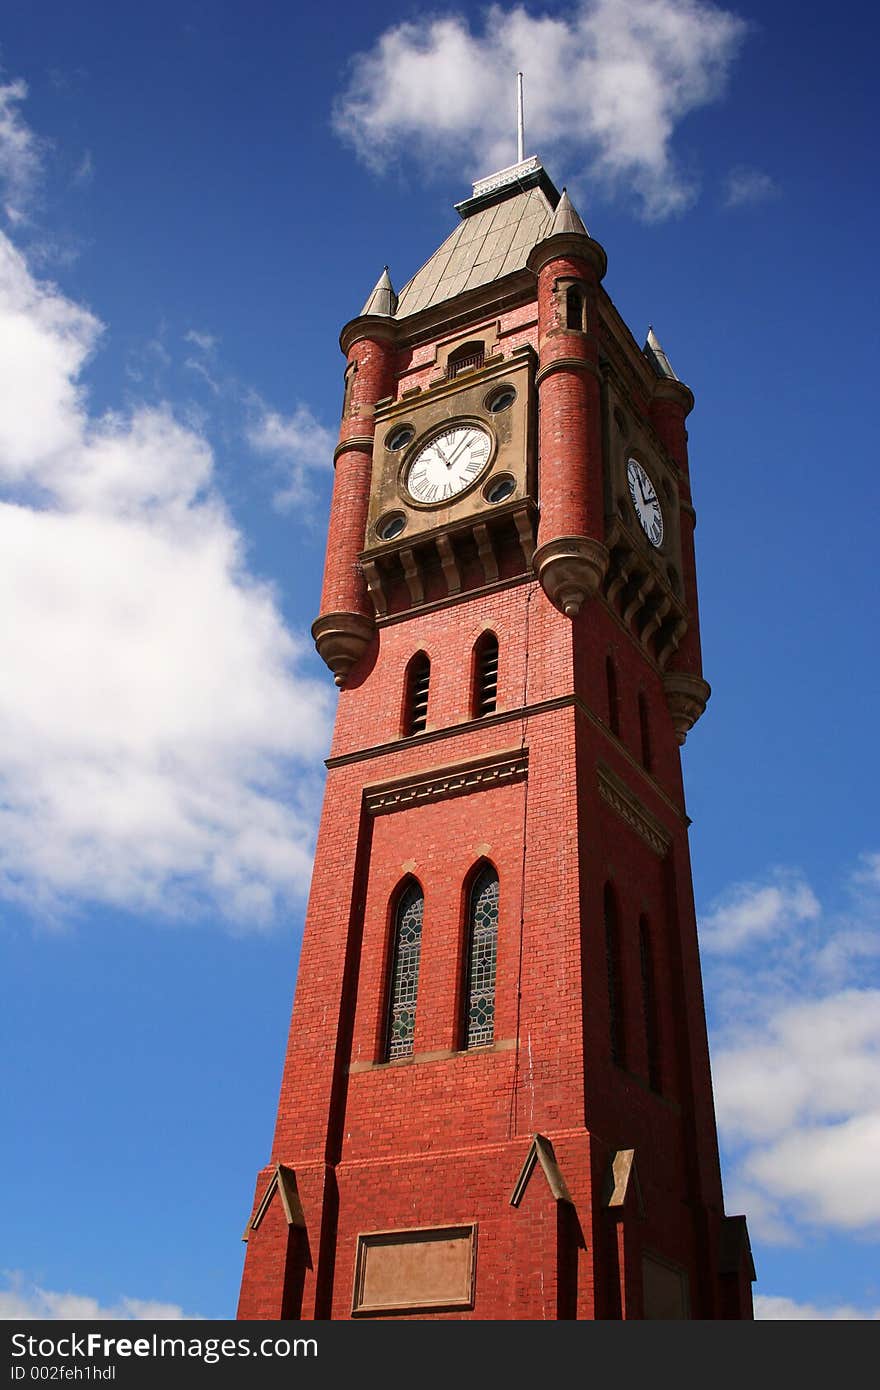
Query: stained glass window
{"type": "Point", "coordinates": [482, 956]}
{"type": "Point", "coordinates": [405, 972]}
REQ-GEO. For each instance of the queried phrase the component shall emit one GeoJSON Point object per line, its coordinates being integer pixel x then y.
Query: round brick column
{"type": "Point", "coordinates": [571, 559]}
{"type": "Point", "coordinates": [346, 622]}
{"type": "Point", "coordinates": [686, 690]}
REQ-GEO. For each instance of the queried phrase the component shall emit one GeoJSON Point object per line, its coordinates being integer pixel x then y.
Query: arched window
{"type": "Point", "coordinates": [649, 1005]}
{"type": "Point", "coordinates": [611, 683]}
{"type": "Point", "coordinates": [615, 983]}
{"type": "Point", "coordinates": [405, 959]}
{"type": "Point", "coordinates": [485, 693]}
{"type": "Point", "coordinates": [645, 732]}
{"type": "Point", "coordinates": [479, 1020]}
{"type": "Point", "coordinates": [574, 308]}
{"type": "Point", "coordinates": [418, 679]}
{"type": "Point", "coordinates": [469, 355]}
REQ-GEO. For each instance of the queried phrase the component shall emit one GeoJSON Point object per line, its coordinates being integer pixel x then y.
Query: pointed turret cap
{"type": "Point", "coordinates": [383, 300]}
{"type": "Point", "coordinates": [566, 218]}
{"type": "Point", "coordinates": [657, 357]}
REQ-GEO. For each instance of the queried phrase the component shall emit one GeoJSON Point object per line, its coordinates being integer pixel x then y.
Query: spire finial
{"type": "Point", "coordinates": [520, 127]}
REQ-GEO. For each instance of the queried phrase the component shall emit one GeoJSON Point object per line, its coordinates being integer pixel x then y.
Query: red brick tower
{"type": "Point", "coordinates": [497, 1101]}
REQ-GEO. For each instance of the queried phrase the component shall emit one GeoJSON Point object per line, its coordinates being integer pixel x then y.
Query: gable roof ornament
{"type": "Point", "coordinates": [282, 1181]}
{"type": "Point", "coordinates": [622, 1182]}
{"type": "Point", "coordinates": [541, 1151]}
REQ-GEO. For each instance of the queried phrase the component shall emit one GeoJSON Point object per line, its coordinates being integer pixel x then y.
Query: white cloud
{"type": "Point", "coordinates": [205, 342]}
{"type": "Point", "coordinates": [744, 185]}
{"type": "Point", "coordinates": [750, 912]}
{"type": "Point", "coordinates": [20, 153]}
{"type": "Point", "coordinates": [607, 84]}
{"type": "Point", "coordinates": [160, 740]}
{"type": "Point", "coordinates": [298, 443]}
{"type": "Point", "coordinates": [776, 1308]}
{"type": "Point", "coordinates": [796, 1060]}
{"type": "Point", "coordinates": [24, 1301]}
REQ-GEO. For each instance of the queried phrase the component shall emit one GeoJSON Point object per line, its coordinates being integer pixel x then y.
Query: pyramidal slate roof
{"type": "Point", "coordinates": [506, 216]}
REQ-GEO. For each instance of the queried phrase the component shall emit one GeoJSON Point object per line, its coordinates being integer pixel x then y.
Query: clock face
{"type": "Point", "coordinates": [645, 501]}
{"type": "Point", "coordinates": [448, 464]}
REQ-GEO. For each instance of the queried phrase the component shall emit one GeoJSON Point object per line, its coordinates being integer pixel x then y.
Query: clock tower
{"type": "Point", "coordinates": [497, 1102]}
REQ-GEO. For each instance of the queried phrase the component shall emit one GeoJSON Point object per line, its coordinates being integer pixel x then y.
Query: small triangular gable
{"type": "Point", "coordinates": [282, 1181]}
{"type": "Point", "coordinates": [541, 1151]}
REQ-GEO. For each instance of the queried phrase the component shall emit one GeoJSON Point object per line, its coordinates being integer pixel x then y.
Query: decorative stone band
{"type": "Point", "coordinates": [566, 364]}
{"type": "Point", "coordinates": [686, 696]}
{"type": "Point", "coordinates": [570, 570]}
{"type": "Point", "coordinates": [342, 639]}
{"type": "Point", "coordinates": [363, 443]}
{"type": "Point", "coordinates": [627, 805]}
{"type": "Point", "coordinates": [457, 779]}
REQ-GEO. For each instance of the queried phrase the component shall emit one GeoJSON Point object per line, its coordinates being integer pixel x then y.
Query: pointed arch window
{"type": "Point", "coordinates": [406, 958]}
{"type": "Point", "coordinates": [649, 1005]}
{"type": "Point", "coordinates": [418, 680]}
{"type": "Point", "coordinates": [615, 982]}
{"type": "Point", "coordinates": [611, 686]}
{"type": "Point", "coordinates": [479, 1029]}
{"type": "Point", "coordinates": [485, 693]}
{"type": "Point", "coordinates": [645, 733]}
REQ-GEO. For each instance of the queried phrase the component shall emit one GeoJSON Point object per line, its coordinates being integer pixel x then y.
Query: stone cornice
{"type": "Point", "coordinates": [377, 327]}
{"type": "Point", "coordinates": [500, 717]}
{"type": "Point", "coordinates": [630, 808]}
{"type": "Point", "coordinates": [568, 245]}
{"type": "Point", "coordinates": [566, 364]}
{"type": "Point", "coordinates": [361, 443]}
{"type": "Point", "coordinates": [456, 779]}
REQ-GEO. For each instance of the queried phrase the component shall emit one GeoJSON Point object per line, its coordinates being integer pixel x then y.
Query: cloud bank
{"type": "Point", "coordinates": [159, 734]}
{"type": "Point", "coordinates": [796, 1056]}
{"type": "Point", "coordinates": [23, 1301]}
{"type": "Point", "coordinates": [607, 85]}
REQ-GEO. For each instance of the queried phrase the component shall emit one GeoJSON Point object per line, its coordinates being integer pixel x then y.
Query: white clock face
{"type": "Point", "coordinates": [448, 464]}
{"type": "Point", "coordinates": [645, 501]}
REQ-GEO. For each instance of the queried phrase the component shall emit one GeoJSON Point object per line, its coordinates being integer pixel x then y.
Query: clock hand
{"type": "Point", "coordinates": [457, 451]}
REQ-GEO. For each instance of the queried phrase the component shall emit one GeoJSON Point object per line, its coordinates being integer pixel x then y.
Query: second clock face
{"type": "Point", "coordinates": [448, 464]}
{"type": "Point", "coordinates": [646, 502]}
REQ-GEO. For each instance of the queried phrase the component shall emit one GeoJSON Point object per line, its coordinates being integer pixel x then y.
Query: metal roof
{"type": "Point", "coordinates": [499, 228]}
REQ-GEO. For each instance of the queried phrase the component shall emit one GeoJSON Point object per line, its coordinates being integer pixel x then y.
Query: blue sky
{"type": "Point", "coordinates": [195, 198]}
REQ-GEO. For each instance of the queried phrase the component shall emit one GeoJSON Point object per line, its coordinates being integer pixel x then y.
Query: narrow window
{"type": "Point", "coordinates": [485, 675]}
{"type": "Point", "coordinates": [615, 991]}
{"type": "Point", "coordinates": [418, 680]}
{"type": "Point", "coordinates": [645, 731]}
{"type": "Point", "coordinates": [482, 954]}
{"type": "Point", "coordinates": [649, 1005]}
{"type": "Point", "coordinates": [574, 308]}
{"type": "Point", "coordinates": [611, 683]}
{"type": "Point", "coordinates": [405, 972]}
{"type": "Point", "coordinates": [468, 356]}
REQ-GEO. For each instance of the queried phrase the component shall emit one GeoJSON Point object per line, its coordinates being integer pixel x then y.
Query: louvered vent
{"type": "Point", "coordinates": [419, 681]}
{"type": "Point", "coordinates": [486, 693]}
